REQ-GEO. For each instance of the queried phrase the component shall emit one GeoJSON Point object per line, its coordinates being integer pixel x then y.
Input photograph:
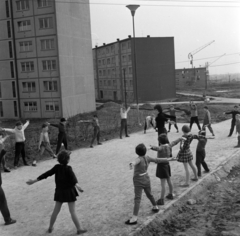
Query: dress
{"type": "Point", "coordinates": [65, 180]}
{"type": "Point", "coordinates": [185, 155]}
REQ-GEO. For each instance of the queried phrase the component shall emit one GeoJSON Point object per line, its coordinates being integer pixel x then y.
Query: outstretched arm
{"type": "Point", "coordinates": [161, 160]}
{"type": "Point", "coordinates": [84, 121]}
{"type": "Point", "coordinates": [26, 125]}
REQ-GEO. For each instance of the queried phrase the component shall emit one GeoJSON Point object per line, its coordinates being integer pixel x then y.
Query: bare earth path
{"type": "Point", "coordinates": [103, 172]}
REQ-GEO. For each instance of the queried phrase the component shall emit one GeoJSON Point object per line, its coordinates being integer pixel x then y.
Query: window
{"type": "Point", "coordinates": [10, 49]}
{"type": "Point", "coordinates": [112, 48]}
{"type": "Point", "coordinates": [46, 23]}
{"type": "Point", "coordinates": [49, 65]}
{"type": "Point", "coordinates": [1, 109]}
{"type": "Point", "coordinates": [30, 106]}
{"type": "Point", "coordinates": [25, 46]}
{"type": "Point", "coordinates": [103, 61]}
{"type": "Point", "coordinates": [44, 3]}
{"type": "Point", "coordinates": [9, 29]}
{"type": "Point", "coordinates": [24, 25]}
{"type": "Point", "coordinates": [113, 60]}
{"type": "Point", "coordinates": [0, 90]}
{"type": "Point", "coordinates": [109, 82]}
{"type": "Point", "coordinates": [29, 87]}
{"type": "Point", "coordinates": [52, 106]}
{"type": "Point", "coordinates": [13, 89]}
{"type": "Point", "coordinates": [107, 50]}
{"type": "Point", "coordinates": [15, 108]}
{"type": "Point", "coordinates": [113, 72]}
{"type": "Point", "coordinates": [22, 5]}
{"type": "Point", "coordinates": [7, 9]}
{"type": "Point", "coordinates": [114, 83]}
{"type": "Point", "coordinates": [50, 86]}
{"type": "Point", "coordinates": [105, 83]}
{"type": "Point", "coordinates": [12, 69]}
{"type": "Point", "coordinates": [100, 82]}
{"type": "Point", "coordinates": [108, 61]}
{"type": "Point", "coordinates": [47, 44]}
{"type": "Point", "coordinates": [104, 72]}
{"type": "Point", "coordinates": [27, 66]}
{"type": "Point", "coordinates": [99, 62]}
{"type": "Point", "coordinates": [130, 70]}
{"type": "Point", "coordinates": [100, 73]}
{"type": "Point", "coordinates": [130, 82]}
{"type": "Point", "coordinates": [129, 45]}
{"type": "Point", "coordinates": [123, 58]}
{"type": "Point", "coordinates": [129, 57]}
{"type": "Point", "coordinates": [109, 72]}
{"type": "Point", "coordinates": [123, 46]}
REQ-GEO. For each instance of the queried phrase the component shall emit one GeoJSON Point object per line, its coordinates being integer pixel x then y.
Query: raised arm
{"type": "Point", "coordinates": [128, 109]}
{"type": "Point", "coordinates": [26, 125]}
{"type": "Point", "coordinates": [228, 113]}
{"type": "Point", "coordinates": [40, 140]}
{"type": "Point", "coordinates": [176, 142]}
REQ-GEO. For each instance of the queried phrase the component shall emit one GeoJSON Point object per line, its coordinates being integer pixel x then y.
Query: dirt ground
{"type": "Point", "coordinates": [217, 214]}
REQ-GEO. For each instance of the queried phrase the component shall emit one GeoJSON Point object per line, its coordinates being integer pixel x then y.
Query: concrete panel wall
{"type": "Point", "coordinates": [75, 58]}
{"type": "Point", "coordinates": [46, 31]}
{"type": "Point", "coordinates": [49, 114]}
{"type": "Point", "coordinates": [25, 54]}
{"type": "Point", "coordinates": [49, 94]}
{"type": "Point", "coordinates": [50, 73]}
{"type": "Point", "coordinates": [8, 109]}
{"type": "Point", "coordinates": [4, 50]}
{"type": "Point", "coordinates": [23, 34]}
{"type": "Point", "coordinates": [22, 13]}
{"type": "Point", "coordinates": [4, 30]}
{"type": "Point", "coordinates": [31, 74]}
{"type": "Point", "coordinates": [46, 53]}
{"type": "Point", "coordinates": [2, 10]}
{"type": "Point", "coordinates": [155, 68]}
{"type": "Point", "coordinates": [23, 94]}
{"type": "Point", "coordinates": [5, 70]}
{"type": "Point", "coordinates": [31, 114]}
{"type": "Point", "coordinates": [6, 89]}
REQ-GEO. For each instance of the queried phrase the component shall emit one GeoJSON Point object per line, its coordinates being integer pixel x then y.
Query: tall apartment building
{"type": "Point", "coordinates": [191, 77]}
{"type": "Point", "coordinates": [114, 70]}
{"type": "Point", "coordinates": [45, 59]}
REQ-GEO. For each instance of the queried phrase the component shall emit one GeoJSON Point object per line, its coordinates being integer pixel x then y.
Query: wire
{"type": "Point", "coordinates": [226, 64]}
{"type": "Point", "coordinates": [147, 5]}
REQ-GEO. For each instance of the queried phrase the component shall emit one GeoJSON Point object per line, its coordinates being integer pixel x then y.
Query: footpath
{"type": "Point", "coordinates": [103, 173]}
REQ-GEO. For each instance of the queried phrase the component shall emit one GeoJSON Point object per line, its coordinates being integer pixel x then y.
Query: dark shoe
{"type": "Point", "coordinates": [10, 222]}
{"type": "Point", "coordinates": [169, 196]}
{"type": "Point", "coordinates": [206, 171]}
{"type": "Point", "coordinates": [50, 230]}
{"type": "Point", "coordinates": [177, 131]}
{"type": "Point", "coordinates": [81, 231]}
{"type": "Point", "coordinates": [194, 179]}
{"type": "Point", "coordinates": [99, 143]}
{"type": "Point", "coordinates": [130, 223]}
{"type": "Point", "coordinates": [91, 146]}
{"type": "Point", "coordinates": [155, 210]}
{"type": "Point", "coordinates": [127, 136]}
{"type": "Point", "coordinates": [160, 202]}
{"type": "Point", "coordinates": [229, 135]}
{"type": "Point", "coordinates": [6, 170]}
{"type": "Point", "coordinates": [120, 137]}
{"type": "Point", "coordinates": [168, 131]}
{"type": "Point", "coordinates": [26, 164]}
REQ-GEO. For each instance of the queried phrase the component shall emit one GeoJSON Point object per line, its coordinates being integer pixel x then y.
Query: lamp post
{"type": "Point", "coordinates": [133, 9]}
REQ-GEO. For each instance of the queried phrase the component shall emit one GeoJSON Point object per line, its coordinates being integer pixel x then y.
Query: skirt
{"type": "Point", "coordinates": [163, 171]}
{"type": "Point", "coordinates": [66, 195]}
{"type": "Point", "coordinates": [185, 156]}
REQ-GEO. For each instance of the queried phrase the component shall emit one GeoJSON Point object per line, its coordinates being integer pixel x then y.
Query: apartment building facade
{"type": "Point", "coordinates": [191, 77]}
{"type": "Point", "coordinates": [115, 73]}
{"type": "Point", "coordinates": [46, 59]}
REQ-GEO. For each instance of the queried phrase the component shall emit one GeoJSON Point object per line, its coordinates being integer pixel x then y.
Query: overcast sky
{"type": "Point", "coordinates": [191, 25]}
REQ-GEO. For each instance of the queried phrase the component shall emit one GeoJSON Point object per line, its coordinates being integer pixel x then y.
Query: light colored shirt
{"type": "Point", "coordinates": [207, 118]}
{"type": "Point", "coordinates": [19, 134]}
{"type": "Point", "coordinates": [44, 137]}
{"type": "Point", "coordinates": [124, 113]}
{"type": "Point", "coordinates": [194, 111]}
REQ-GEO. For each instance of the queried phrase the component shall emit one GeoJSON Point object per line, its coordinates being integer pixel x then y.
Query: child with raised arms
{"type": "Point", "coordinates": [141, 180]}
{"type": "Point", "coordinates": [163, 171]}
{"type": "Point", "coordinates": [66, 185]}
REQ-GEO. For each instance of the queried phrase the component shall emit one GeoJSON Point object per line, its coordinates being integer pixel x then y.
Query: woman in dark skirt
{"type": "Point", "coordinates": [66, 184]}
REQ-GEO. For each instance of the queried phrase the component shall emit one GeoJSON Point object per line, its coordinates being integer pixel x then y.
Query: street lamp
{"type": "Point", "coordinates": [133, 9]}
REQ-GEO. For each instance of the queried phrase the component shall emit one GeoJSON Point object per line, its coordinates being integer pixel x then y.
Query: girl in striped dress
{"type": "Point", "coordinates": [185, 155]}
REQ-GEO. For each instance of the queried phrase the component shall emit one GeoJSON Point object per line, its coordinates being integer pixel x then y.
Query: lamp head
{"type": "Point", "coordinates": [133, 8]}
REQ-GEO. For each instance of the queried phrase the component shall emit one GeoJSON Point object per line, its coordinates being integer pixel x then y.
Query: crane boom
{"type": "Point", "coordinates": [190, 55]}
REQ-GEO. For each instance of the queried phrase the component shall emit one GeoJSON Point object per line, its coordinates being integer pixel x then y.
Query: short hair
{"type": "Point", "coordinates": [158, 107]}
{"type": "Point", "coordinates": [163, 139]}
{"type": "Point", "coordinates": [205, 107]}
{"type": "Point", "coordinates": [95, 115]}
{"type": "Point", "coordinates": [18, 123]}
{"type": "Point", "coordinates": [44, 125]}
{"type": "Point", "coordinates": [63, 157]}
{"type": "Point", "coordinates": [202, 132]}
{"type": "Point", "coordinates": [235, 106]}
{"type": "Point", "coordinates": [141, 149]}
{"type": "Point", "coordinates": [186, 129]}
{"type": "Point", "coordinates": [63, 119]}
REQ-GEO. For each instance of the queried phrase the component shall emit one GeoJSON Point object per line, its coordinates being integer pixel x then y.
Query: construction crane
{"type": "Point", "coordinates": [190, 55]}
{"type": "Point", "coordinates": [207, 71]}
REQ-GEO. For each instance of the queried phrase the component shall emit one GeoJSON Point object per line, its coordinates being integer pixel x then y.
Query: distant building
{"type": "Point", "coordinates": [191, 77]}
{"type": "Point", "coordinates": [46, 59]}
{"type": "Point", "coordinates": [155, 67]}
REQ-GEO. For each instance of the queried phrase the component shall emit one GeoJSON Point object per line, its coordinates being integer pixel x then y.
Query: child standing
{"type": "Point", "coordinates": [200, 152]}
{"type": "Point", "coordinates": [44, 143]}
{"type": "Point", "coordinates": [62, 136]}
{"type": "Point", "coordinates": [3, 152]}
{"type": "Point", "coordinates": [123, 114]}
{"type": "Point", "coordinates": [238, 130]}
{"type": "Point", "coordinates": [207, 120]}
{"type": "Point", "coordinates": [66, 184]}
{"type": "Point", "coordinates": [141, 180]}
{"type": "Point", "coordinates": [149, 120]}
{"type": "Point", "coordinates": [194, 115]}
{"type": "Point", "coordinates": [172, 111]}
{"type": "Point", "coordinates": [185, 155]}
{"type": "Point", "coordinates": [96, 129]}
{"type": "Point", "coordinates": [18, 131]}
{"type": "Point", "coordinates": [163, 171]}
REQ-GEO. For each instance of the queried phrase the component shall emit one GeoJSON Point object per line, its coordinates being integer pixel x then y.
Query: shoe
{"type": "Point", "coordinates": [91, 146]}
{"type": "Point", "coordinates": [99, 143]}
{"type": "Point", "coordinates": [155, 210]}
{"type": "Point", "coordinates": [50, 230]}
{"type": "Point", "coordinates": [168, 131]}
{"type": "Point", "coordinates": [229, 135]}
{"type": "Point", "coordinates": [130, 223]}
{"type": "Point", "coordinates": [206, 171]}
{"type": "Point", "coordinates": [169, 196]}
{"type": "Point", "coordinates": [10, 222]}
{"type": "Point", "coordinates": [160, 202]}
{"type": "Point", "coordinates": [26, 164]}
{"type": "Point", "coordinates": [213, 135]}
{"type": "Point", "coordinates": [177, 131]}
{"type": "Point", "coordinates": [81, 231]}
{"type": "Point", "coordinates": [6, 170]}
{"type": "Point", "coordinates": [194, 179]}
{"type": "Point", "coordinates": [127, 136]}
